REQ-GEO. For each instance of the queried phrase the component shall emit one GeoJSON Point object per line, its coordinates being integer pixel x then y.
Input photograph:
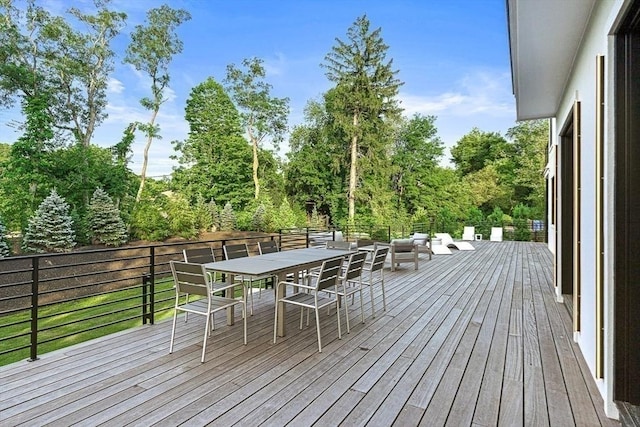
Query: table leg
{"type": "Point", "coordinates": [230, 293]}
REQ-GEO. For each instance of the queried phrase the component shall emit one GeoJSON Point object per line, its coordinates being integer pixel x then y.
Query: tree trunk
{"type": "Point", "coordinates": [145, 157]}
{"type": "Point", "coordinates": [255, 169]}
{"type": "Point", "coordinates": [353, 171]}
{"type": "Point", "coordinates": [254, 143]}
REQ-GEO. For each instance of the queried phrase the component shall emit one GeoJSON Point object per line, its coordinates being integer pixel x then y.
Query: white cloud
{"type": "Point", "coordinates": [478, 93]}
{"type": "Point", "coordinates": [114, 86]}
{"type": "Point", "coordinates": [481, 98]}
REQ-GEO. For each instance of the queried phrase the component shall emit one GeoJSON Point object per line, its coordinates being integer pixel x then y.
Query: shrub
{"type": "Point", "coordinates": [105, 224]}
{"type": "Point", "coordinates": [50, 229]}
{"type": "Point", "coordinates": [285, 217]}
{"type": "Point", "coordinates": [202, 214]}
{"type": "Point", "coordinates": [181, 217]}
{"type": "Point", "coordinates": [149, 222]}
{"type": "Point", "coordinates": [228, 218]}
{"type": "Point", "coordinates": [521, 229]}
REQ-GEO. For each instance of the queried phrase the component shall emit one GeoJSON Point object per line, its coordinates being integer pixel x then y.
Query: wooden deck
{"type": "Point", "coordinates": [474, 338]}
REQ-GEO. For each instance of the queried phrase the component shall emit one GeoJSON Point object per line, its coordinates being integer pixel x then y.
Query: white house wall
{"type": "Point", "coordinates": [581, 86]}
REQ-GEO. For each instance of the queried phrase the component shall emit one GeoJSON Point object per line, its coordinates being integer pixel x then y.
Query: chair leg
{"type": "Point", "coordinates": [361, 306]}
{"type": "Point", "coordinates": [251, 297]}
{"type": "Point", "coordinates": [318, 330]}
{"type": "Point", "coordinates": [373, 309]}
{"type": "Point", "coordinates": [346, 313]}
{"type": "Point", "coordinates": [207, 331]}
{"type": "Point", "coordinates": [173, 330]}
{"type": "Point", "coordinates": [384, 298]}
{"type": "Point", "coordinates": [275, 320]}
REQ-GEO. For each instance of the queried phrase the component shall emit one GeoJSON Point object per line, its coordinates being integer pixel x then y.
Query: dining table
{"type": "Point", "coordinates": [278, 264]}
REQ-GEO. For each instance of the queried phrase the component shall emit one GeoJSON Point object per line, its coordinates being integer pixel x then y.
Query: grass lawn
{"type": "Point", "coordinates": [64, 324]}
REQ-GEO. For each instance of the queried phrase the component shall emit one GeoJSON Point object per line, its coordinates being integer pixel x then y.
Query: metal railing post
{"type": "Point", "coordinates": [35, 280]}
{"type": "Point", "coordinates": [146, 278]}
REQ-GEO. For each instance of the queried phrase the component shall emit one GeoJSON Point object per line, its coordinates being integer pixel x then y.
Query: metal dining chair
{"type": "Point", "coordinates": [312, 297]}
{"type": "Point", "coordinates": [192, 279]}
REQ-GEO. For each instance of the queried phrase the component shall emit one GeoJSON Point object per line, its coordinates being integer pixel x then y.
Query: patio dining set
{"type": "Point", "coordinates": [316, 277]}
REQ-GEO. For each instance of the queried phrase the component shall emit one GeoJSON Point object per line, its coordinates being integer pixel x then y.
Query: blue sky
{"type": "Point", "coordinates": [452, 56]}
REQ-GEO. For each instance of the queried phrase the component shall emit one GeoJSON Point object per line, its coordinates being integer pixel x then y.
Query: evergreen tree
{"type": "Point", "coordinates": [4, 246]}
{"type": "Point", "coordinates": [50, 229]}
{"type": "Point", "coordinates": [364, 106]}
{"type": "Point", "coordinates": [259, 219]}
{"type": "Point", "coordinates": [105, 222]}
{"type": "Point", "coordinates": [215, 215]}
{"type": "Point", "coordinates": [227, 218]}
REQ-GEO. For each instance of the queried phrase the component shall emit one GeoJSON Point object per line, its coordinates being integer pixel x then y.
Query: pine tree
{"type": "Point", "coordinates": [259, 219]}
{"type": "Point", "coordinates": [364, 104]}
{"type": "Point", "coordinates": [50, 229]}
{"type": "Point", "coordinates": [4, 246]}
{"type": "Point", "coordinates": [227, 218]}
{"type": "Point", "coordinates": [105, 222]}
{"type": "Point", "coordinates": [215, 215]}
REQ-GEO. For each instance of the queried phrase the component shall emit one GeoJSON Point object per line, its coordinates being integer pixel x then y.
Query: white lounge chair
{"type": "Point", "coordinates": [448, 241]}
{"type": "Point", "coordinates": [496, 234]}
{"type": "Point", "coordinates": [469, 233]}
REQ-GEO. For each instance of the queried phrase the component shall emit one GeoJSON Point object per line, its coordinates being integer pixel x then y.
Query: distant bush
{"type": "Point", "coordinates": [181, 217]}
{"type": "Point", "coordinates": [149, 222]}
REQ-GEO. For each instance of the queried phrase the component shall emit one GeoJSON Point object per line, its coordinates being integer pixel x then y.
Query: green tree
{"type": "Point", "coordinates": [530, 139]}
{"type": "Point", "coordinates": [104, 220]}
{"type": "Point", "coordinates": [415, 157]}
{"type": "Point", "coordinates": [262, 114]}
{"type": "Point", "coordinates": [151, 50]}
{"type": "Point", "coordinates": [315, 174]}
{"type": "Point", "coordinates": [51, 227]}
{"type": "Point", "coordinates": [364, 102]}
{"type": "Point", "coordinates": [477, 149]}
{"type": "Point", "coordinates": [4, 245]}
{"type": "Point", "coordinates": [26, 176]}
{"type": "Point", "coordinates": [215, 159]}
{"type": "Point", "coordinates": [41, 53]}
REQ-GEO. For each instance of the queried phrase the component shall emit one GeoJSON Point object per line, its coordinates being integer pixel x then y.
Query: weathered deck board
{"type": "Point", "coordinates": [475, 338]}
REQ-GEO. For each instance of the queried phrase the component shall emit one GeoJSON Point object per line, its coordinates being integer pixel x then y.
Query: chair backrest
{"type": "Point", "coordinates": [468, 233]}
{"type": "Point", "coordinates": [402, 245]}
{"type": "Point", "coordinates": [190, 278]}
{"type": "Point", "coordinates": [199, 255]}
{"type": "Point", "coordinates": [329, 273]}
{"type": "Point", "coordinates": [496, 234]}
{"type": "Point", "coordinates": [236, 251]}
{"type": "Point", "coordinates": [379, 257]}
{"type": "Point", "coordinates": [268, 247]}
{"type": "Point", "coordinates": [354, 266]}
{"type": "Point", "coordinates": [420, 238]}
{"type": "Point", "coordinates": [340, 244]}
